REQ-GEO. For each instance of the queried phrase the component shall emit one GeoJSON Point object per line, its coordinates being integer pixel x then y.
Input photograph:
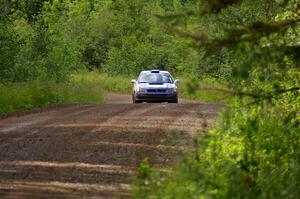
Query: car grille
{"type": "Point", "coordinates": [156, 90]}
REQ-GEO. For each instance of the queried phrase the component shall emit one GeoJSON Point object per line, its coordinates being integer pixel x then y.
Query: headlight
{"type": "Point", "coordinates": [172, 90]}
{"type": "Point", "coordinates": [142, 90]}
{"type": "Point", "coordinates": [139, 89]}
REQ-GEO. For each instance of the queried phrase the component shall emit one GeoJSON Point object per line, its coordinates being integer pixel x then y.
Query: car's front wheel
{"type": "Point", "coordinates": [134, 100]}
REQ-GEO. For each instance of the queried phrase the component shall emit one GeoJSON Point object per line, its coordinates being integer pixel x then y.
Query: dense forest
{"type": "Point", "coordinates": [251, 46]}
{"type": "Point", "coordinates": [50, 39]}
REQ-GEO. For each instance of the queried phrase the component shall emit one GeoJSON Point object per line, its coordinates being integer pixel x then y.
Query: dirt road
{"type": "Point", "coordinates": [92, 151]}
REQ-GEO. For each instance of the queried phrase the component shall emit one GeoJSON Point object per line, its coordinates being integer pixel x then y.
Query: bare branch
{"type": "Point", "coordinates": [254, 32]}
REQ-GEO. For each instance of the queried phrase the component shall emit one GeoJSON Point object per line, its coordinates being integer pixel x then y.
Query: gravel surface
{"type": "Point", "coordinates": [92, 151]}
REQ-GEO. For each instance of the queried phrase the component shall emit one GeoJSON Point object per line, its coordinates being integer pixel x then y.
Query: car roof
{"type": "Point", "coordinates": [155, 71]}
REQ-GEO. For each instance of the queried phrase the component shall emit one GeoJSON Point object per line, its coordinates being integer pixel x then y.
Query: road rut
{"type": "Point", "coordinates": [92, 151]}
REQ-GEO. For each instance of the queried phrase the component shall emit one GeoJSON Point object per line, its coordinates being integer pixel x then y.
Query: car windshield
{"type": "Point", "coordinates": [155, 78]}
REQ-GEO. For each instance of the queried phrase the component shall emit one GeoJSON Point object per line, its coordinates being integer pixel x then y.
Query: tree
{"type": "Point", "coordinates": [254, 153]}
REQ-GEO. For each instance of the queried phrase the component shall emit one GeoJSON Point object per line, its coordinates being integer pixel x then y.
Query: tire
{"type": "Point", "coordinates": [134, 101]}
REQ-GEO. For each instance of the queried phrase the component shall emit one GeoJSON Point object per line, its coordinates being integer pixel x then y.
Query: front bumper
{"type": "Point", "coordinates": [156, 96]}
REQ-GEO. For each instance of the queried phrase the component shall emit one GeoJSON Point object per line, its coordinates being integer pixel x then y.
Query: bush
{"type": "Point", "coordinates": [109, 83]}
{"type": "Point", "coordinates": [42, 94]}
{"type": "Point", "coordinates": [205, 90]}
{"type": "Point", "coordinates": [253, 154]}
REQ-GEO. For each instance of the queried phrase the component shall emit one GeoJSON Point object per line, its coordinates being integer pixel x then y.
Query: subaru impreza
{"type": "Point", "coordinates": [155, 86]}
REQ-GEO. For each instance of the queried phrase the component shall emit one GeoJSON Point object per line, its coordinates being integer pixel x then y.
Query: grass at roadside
{"type": "Point", "coordinates": [120, 84]}
{"type": "Point", "coordinates": [42, 94]}
{"type": "Point", "coordinates": [205, 90]}
{"type": "Point", "coordinates": [190, 88]}
{"type": "Point", "coordinates": [89, 87]}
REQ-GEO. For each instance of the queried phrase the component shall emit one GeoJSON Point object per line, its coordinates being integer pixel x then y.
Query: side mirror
{"type": "Point", "coordinates": [133, 81]}
{"type": "Point", "coordinates": [176, 81]}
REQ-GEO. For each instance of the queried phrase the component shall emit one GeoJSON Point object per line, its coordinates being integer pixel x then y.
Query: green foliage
{"type": "Point", "coordinates": [8, 49]}
{"type": "Point", "coordinates": [254, 153]}
{"type": "Point", "coordinates": [251, 44]}
{"type": "Point", "coordinates": [205, 90]}
{"type": "Point", "coordinates": [144, 169]}
{"type": "Point", "coordinates": [50, 39]}
{"type": "Point", "coordinates": [88, 87]}
{"type": "Point", "coordinates": [120, 84]}
{"type": "Point", "coordinates": [42, 94]}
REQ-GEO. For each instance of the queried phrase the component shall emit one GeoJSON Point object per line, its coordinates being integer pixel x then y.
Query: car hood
{"type": "Point", "coordinates": [156, 86]}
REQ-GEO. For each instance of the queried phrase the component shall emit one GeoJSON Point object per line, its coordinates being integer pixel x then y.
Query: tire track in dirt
{"type": "Point", "coordinates": [91, 151]}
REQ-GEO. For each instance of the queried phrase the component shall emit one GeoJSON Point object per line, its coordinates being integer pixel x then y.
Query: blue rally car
{"type": "Point", "coordinates": [155, 86]}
